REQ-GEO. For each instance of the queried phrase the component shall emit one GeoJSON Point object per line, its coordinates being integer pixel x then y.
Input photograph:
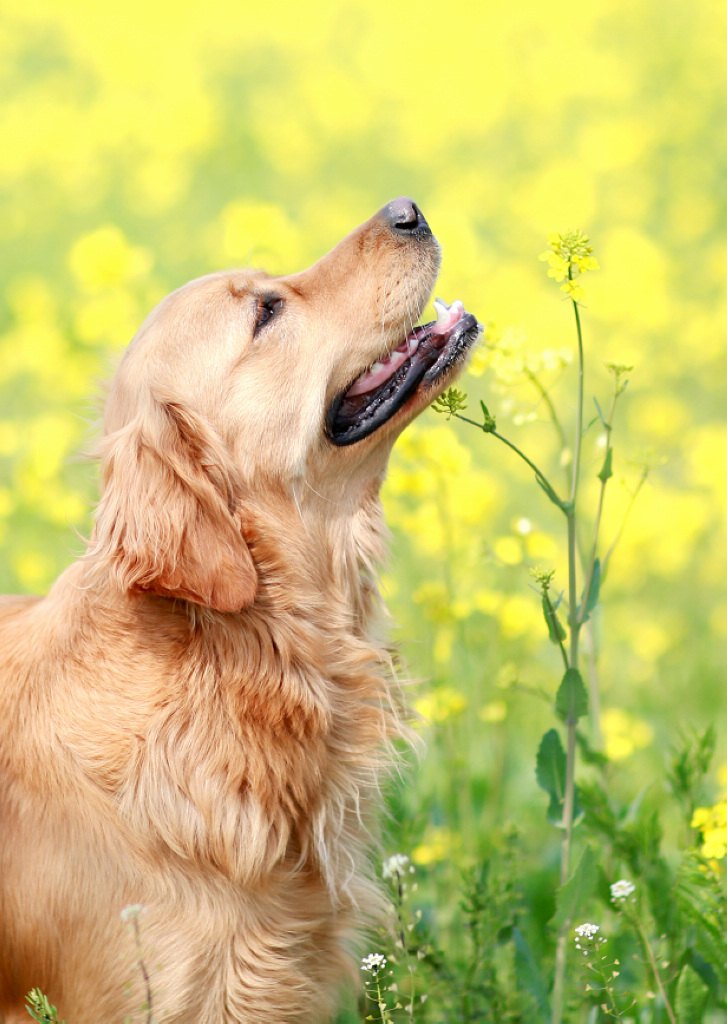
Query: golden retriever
{"type": "Point", "coordinates": [196, 719]}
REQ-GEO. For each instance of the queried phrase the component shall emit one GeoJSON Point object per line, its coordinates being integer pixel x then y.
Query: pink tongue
{"type": "Point", "coordinates": [383, 370]}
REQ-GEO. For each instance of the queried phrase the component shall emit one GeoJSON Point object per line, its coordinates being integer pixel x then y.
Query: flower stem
{"type": "Point", "coordinates": [541, 478]}
{"type": "Point", "coordinates": [142, 967]}
{"type": "Point", "coordinates": [622, 527]}
{"type": "Point", "coordinates": [551, 408]}
{"type": "Point", "coordinates": [575, 628]}
{"type": "Point", "coordinates": [591, 563]}
{"type": "Point", "coordinates": [654, 967]}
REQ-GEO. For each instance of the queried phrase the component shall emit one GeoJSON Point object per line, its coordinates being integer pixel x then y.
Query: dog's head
{"type": "Point", "coordinates": [240, 381]}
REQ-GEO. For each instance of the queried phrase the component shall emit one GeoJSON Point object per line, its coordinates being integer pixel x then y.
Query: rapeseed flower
{"type": "Point", "coordinates": [712, 823]}
{"type": "Point", "coordinates": [569, 256]}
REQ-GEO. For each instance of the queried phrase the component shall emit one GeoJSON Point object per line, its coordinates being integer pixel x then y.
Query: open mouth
{"type": "Point", "coordinates": [421, 361]}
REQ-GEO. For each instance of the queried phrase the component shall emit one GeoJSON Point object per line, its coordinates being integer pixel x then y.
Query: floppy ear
{"type": "Point", "coordinates": [166, 522]}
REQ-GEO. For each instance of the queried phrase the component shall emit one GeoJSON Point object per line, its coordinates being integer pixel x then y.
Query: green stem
{"type": "Point", "coordinates": [545, 483]}
{"type": "Point", "coordinates": [579, 409]}
{"type": "Point", "coordinates": [622, 527]}
{"type": "Point", "coordinates": [551, 408]}
{"type": "Point", "coordinates": [403, 942]}
{"type": "Point", "coordinates": [550, 490]}
{"type": "Point", "coordinates": [654, 968]}
{"type": "Point", "coordinates": [591, 563]}
{"type": "Point", "coordinates": [607, 988]}
{"type": "Point", "coordinates": [381, 1004]}
{"type": "Point", "coordinates": [142, 967]}
{"type": "Point", "coordinates": [552, 613]}
{"type": "Point", "coordinates": [575, 627]}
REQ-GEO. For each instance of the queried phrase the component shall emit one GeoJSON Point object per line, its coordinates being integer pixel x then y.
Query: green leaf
{"type": "Point", "coordinates": [705, 971]}
{"type": "Point", "coordinates": [599, 815]}
{"type": "Point", "coordinates": [490, 423]}
{"type": "Point", "coordinates": [550, 773]}
{"type": "Point", "coordinates": [550, 776]}
{"type": "Point", "coordinates": [576, 892]}
{"type": "Point", "coordinates": [589, 753]}
{"type": "Point", "coordinates": [556, 632]}
{"type": "Point", "coordinates": [40, 1008]}
{"type": "Point", "coordinates": [606, 471]}
{"type": "Point", "coordinates": [594, 591]}
{"type": "Point", "coordinates": [571, 702]}
{"type": "Point", "coordinates": [528, 977]}
{"type": "Point", "coordinates": [601, 417]}
{"type": "Point", "coordinates": [700, 898]}
{"type": "Point", "coordinates": [691, 996]}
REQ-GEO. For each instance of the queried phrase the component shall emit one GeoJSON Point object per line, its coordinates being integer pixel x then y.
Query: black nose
{"type": "Point", "coordinates": [404, 216]}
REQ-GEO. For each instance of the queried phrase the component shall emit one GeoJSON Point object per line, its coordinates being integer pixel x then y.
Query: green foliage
{"type": "Point", "coordinates": [671, 908]}
{"type": "Point", "coordinates": [41, 1009]}
{"type": "Point", "coordinates": [691, 997]}
{"type": "Point", "coordinates": [572, 898]}
{"type": "Point", "coordinates": [556, 632]}
{"type": "Point", "coordinates": [689, 766]}
{"type": "Point", "coordinates": [571, 702]}
{"type": "Point", "coordinates": [450, 402]}
{"type": "Point", "coordinates": [702, 903]}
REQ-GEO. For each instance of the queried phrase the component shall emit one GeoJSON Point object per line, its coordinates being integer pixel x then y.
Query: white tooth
{"type": "Point", "coordinates": [442, 311]}
{"type": "Point", "coordinates": [376, 367]}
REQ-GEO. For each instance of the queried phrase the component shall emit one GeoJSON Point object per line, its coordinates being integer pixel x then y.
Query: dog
{"type": "Point", "coordinates": [195, 722]}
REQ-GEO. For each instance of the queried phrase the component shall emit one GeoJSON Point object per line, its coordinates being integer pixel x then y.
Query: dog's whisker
{"type": "Point", "coordinates": [323, 497]}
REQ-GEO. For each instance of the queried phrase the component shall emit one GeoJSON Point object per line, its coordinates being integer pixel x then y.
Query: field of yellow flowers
{"type": "Point", "coordinates": [144, 145]}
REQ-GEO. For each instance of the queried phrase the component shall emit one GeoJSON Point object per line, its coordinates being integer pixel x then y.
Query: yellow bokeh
{"type": "Point", "coordinates": [440, 843]}
{"type": "Point", "coordinates": [495, 711]}
{"type": "Point", "coordinates": [104, 258]}
{"type": "Point", "coordinates": [521, 616]}
{"type": "Point", "coordinates": [441, 704]}
{"type": "Point", "coordinates": [624, 733]}
{"type": "Point", "coordinates": [257, 234]}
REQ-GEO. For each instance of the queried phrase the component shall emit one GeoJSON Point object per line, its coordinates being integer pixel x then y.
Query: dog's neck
{"type": "Point", "coordinates": [320, 552]}
{"type": "Point", "coordinates": [295, 671]}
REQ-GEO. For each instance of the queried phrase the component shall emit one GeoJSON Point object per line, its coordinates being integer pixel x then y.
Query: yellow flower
{"type": "Point", "coordinates": [712, 823]}
{"type": "Point", "coordinates": [569, 256]}
{"type": "Point", "coordinates": [715, 843]}
{"type": "Point", "coordinates": [573, 290]}
{"type": "Point", "coordinates": [701, 816]}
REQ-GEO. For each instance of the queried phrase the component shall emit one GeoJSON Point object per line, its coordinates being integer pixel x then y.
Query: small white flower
{"type": "Point", "coordinates": [395, 866]}
{"type": "Point", "coordinates": [132, 912]}
{"type": "Point", "coordinates": [620, 891]}
{"type": "Point", "coordinates": [588, 935]}
{"type": "Point", "coordinates": [374, 963]}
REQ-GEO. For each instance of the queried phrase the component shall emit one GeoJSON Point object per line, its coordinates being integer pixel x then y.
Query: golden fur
{"type": "Point", "coordinates": [196, 718]}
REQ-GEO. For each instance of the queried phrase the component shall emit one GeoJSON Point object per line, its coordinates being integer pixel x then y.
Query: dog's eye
{"type": "Point", "coordinates": [268, 307]}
